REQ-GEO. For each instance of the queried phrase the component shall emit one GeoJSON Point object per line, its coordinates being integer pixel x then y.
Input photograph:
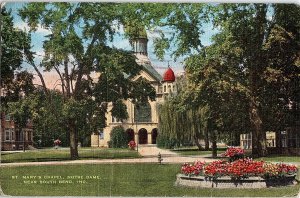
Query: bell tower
{"type": "Point", "coordinates": [169, 86]}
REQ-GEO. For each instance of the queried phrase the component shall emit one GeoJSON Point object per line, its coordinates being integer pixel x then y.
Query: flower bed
{"type": "Point", "coordinates": [241, 168]}
{"type": "Point", "coordinates": [240, 172]}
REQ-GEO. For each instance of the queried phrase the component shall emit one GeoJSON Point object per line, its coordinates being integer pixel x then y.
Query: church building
{"type": "Point", "coordinates": [142, 123]}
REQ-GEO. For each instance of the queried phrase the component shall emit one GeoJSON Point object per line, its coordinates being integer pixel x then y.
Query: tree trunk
{"type": "Point", "coordinates": [23, 131]}
{"type": "Point", "coordinates": [73, 141]}
{"type": "Point", "coordinates": [214, 144]}
{"type": "Point", "coordinates": [206, 140]}
{"type": "Point", "coordinates": [259, 148]}
{"type": "Point", "coordinates": [197, 143]}
{"type": "Point", "coordinates": [257, 62]}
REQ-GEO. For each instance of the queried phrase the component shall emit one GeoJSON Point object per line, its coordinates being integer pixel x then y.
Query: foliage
{"type": "Point", "coordinates": [180, 120]}
{"type": "Point", "coordinates": [13, 44]}
{"type": "Point", "coordinates": [118, 137]}
{"type": "Point", "coordinates": [75, 49]}
{"type": "Point", "coordinates": [244, 75]}
{"type": "Point", "coordinates": [163, 141]}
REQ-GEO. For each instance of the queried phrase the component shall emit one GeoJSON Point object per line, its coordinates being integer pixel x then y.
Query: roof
{"type": "Point", "coordinates": [149, 69]}
{"type": "Point", "coordinates": [169, 75]}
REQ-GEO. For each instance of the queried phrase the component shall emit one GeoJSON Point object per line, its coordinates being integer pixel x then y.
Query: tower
{"type": "Point", "coordinates": [168, 82]}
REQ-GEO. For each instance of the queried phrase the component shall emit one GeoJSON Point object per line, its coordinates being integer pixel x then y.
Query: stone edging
{"type": "Point", "coordinates": [227, 182]}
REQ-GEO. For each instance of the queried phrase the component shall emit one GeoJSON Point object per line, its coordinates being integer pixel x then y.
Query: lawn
{"type": "Point", "coordinates": [116, 180]}
{"type": "Point", "coordinates": [280, 158]}
{"type": "Point", "coordinates": [60, 154]}
{"type": "Point", "coordinates": [195, 151]}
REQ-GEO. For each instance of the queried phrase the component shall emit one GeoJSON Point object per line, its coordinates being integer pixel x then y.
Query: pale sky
{"type": "Point", "coordinates": [119, 42]}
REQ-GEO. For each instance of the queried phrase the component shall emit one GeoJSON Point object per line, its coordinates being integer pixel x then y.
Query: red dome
{"type": "Point", "coordinates": [169, 75]}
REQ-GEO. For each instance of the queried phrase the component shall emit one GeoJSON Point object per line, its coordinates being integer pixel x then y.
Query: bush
{"type": "Point", "coordinates": [165, 142]}
{"type": "Point", "coordinates": [234, 153]}
{"type": "Point", "coordinates": [118, 138]}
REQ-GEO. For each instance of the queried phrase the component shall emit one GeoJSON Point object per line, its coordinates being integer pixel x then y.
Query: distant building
{"type": "Point", "coordinates": [246, 140]}
{"type": "Point", "coordinates": [11, 137]}
{"type": "Point", "coordinates": [142, 124]}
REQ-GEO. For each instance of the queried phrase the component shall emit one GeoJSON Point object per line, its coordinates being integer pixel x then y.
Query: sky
{"type": "Point", "coordinates": [119, 41]}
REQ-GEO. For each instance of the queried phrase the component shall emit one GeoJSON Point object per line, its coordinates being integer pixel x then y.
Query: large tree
{"type": "Point", "coordinates": [77, 48]}
{"type": "Point", "coordinates": [250, 70]}
{"type": "Point", "coordinates": [13, 44]}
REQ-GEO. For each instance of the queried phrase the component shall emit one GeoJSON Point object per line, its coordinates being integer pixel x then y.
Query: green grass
{"type": "Point", "coordinates": [119, 180]}
{"type": "Point", "coordinates": [195, 151]}
{"type": "Point", "coordinates": [280, 158]}
{"type": "Point", "coordinates": [60, 154]}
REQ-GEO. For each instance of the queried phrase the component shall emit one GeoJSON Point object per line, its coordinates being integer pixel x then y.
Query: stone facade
{"type": "Point", "coordinates": [142, 124]}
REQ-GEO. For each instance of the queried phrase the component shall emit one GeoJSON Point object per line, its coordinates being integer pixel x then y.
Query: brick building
{"type": "Point", "coordinates": [11, 137]}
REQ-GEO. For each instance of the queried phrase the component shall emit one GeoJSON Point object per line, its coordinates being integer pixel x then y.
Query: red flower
{"type": "Point", "coordinates": [132, 144]}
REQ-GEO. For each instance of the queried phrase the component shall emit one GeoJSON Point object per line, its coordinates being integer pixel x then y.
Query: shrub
{"type": "Point", "coordinates": [118, 138]}
{"type": "Point", "coordinates": [234, 153]}
{"type": "Point", "coordinates": [165, 142]}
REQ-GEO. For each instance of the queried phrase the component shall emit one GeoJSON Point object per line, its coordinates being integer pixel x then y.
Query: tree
{"type": "Point", "coordinates": [240, 68]}
{"type": "Point", "coordinates": [13, 43]}
{"type": "Point", "coordinates": [76, 48]}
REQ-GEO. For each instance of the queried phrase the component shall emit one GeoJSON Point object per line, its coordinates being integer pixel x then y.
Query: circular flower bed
{"type": "Point", "coordinates": [236, 172]}
{"type": "Point", "coordinates": [242, 168]}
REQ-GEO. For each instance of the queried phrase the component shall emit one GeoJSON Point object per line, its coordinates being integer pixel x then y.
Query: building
{"type": "Point", "coordinates": [142, 124]}
{"type": "Point", "coordinates": [11, 137]}
{"type": "Point", "coordinates": [246, 140]}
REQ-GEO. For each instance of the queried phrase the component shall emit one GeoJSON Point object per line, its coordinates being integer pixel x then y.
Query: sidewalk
{"type": "Point", "coordinates": [149, 154]}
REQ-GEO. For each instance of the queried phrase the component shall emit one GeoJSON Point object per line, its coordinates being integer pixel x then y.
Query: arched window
{"type": "Point", "coordinates": [142, 112]}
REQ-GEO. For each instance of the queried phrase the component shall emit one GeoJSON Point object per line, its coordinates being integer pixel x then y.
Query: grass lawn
{"type": "Point", "coordinates": [117, 180]}
{"type": "Point", "coordinates": [195, 151]}
{"type": "Point", "coordinates": [60, 154]}
{"type": "Point", "coordinates": [280, 158]}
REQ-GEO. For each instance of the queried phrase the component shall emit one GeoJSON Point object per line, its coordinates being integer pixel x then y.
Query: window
{"type": "Point", "coordinates": [271, 139]}
{"type": "Point", "coordinates": [21, 135]}
{"type": "Point", "coordinates": [29, 135]}
{"type": "Point", "coordinates": [101, 135]}
{"type": "Point", "coordinates": [159, 89]}
{"type": "Point", "coordinates": [7, 135]}
{"type": "Point", "coordinates": [12, 134]}
{"type": "Point", "coordinates": [246, 141]}
{"type": "Point", "coordinates": [7, 117]}
{"type": "Point", "coordinates": [165, 88]}
{"type": "Point", "coordinates": [142, 112]}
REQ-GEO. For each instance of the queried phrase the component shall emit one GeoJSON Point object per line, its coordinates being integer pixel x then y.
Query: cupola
{"type": "Point", "coordinates": [169, 75]}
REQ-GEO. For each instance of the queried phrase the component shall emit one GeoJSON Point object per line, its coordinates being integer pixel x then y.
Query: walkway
{"type": "Point", "coordinates": [149, 154]}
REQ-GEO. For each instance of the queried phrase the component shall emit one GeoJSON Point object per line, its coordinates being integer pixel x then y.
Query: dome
{"type": "Point", "coordinates": [169, 75]}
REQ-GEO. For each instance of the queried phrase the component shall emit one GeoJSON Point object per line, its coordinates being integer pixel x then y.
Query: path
{"type": "Point", "coordinates": [149, 154]}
